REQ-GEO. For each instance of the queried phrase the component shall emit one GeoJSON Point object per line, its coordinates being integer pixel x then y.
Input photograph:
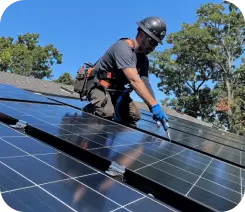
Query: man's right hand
{"type": "Point", "coordinates": [158, 113]}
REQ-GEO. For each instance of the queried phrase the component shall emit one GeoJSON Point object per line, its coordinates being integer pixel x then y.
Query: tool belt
{"type": "Point", "coordinates": [88, 78]}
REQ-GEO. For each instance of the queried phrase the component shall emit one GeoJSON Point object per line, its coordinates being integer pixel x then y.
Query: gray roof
{"type": "Point", "coordinates": [37, 85]}
{"type": "Point", "coordinates": [52, 88]}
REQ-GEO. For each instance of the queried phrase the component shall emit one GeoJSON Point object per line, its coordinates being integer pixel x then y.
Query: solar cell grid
{"type": "Point", "coordinates": [173, 166]}
{"type": "Point", "coordinates": [187, 126]}
{"type": "Point", "coordinates": [40, 178]}
{"type": "Point", "coordinates": [234, 156]}
{"type": "Point", "coordinates": [88, 128]}
{"type": "Point", "coordinates": [207, 131]}
{"type": "Point", "coordinates": [202, 134]}
{"type": "Point", "coordinates": [145, 114]}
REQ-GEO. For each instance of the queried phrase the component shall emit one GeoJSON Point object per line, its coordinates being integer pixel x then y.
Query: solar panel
{"type": "Point", "coordinates": [184, 125]}
{"type": "Point", "coordinates": [8, 92]}
{"type": "Point", "coordinates": [147, 116]}
{"type": "Point", "coordinates": [36, 177]}
{"type": "Point", "coordinates": [197, 136]}
{"type": "Point", "coordinates": [223, 152]}
{"type": "Point", "coordinates": [196, 129]}
{"type": "Point", "coordinates": [211, 182]}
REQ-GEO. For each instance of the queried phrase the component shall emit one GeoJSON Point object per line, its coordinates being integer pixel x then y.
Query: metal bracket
{"type": "Point", "coordinates": [115, 170]}
{"type": "Point", "coordinates": [19, 125]}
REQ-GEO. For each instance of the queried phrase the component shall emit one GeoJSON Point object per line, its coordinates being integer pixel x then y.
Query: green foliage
{"type": "Point", "coordinates": [65, 79]}
{"type": "Point", "coordinates": [26, 57]}
{"type": "Point", "coordinates": [203, 52]}
{"type": "Point", "coordinates": [237, 118]}
{"type": "Point", "coordinates": [196, 105]}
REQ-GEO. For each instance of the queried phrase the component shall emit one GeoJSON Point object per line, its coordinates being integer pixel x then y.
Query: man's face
{"type": "Point", "coordinates": [148, 44]}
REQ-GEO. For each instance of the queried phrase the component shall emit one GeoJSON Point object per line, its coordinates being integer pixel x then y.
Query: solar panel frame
{"type": "Point", "coordinates": [33, 130]}
{"type": "Point", "coordinates": [41, 186]}
{"type": "Point", "coordinates": [76, 103]}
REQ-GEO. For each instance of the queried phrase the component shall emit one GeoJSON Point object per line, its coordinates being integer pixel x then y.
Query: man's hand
{"type": "Point", "coordinates": [158, 113]}
{"type": "Point", "coordinates": [139, 86]}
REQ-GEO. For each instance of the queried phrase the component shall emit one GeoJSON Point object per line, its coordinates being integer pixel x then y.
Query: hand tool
{"type": "Point", "coordinates": [165, 126]}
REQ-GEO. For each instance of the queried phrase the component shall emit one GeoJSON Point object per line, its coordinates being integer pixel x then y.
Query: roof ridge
{"type": "Point", "coordinates": [28, 77]}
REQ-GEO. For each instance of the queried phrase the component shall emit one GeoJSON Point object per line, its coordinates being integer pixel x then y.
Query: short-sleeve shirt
{"type": "Point", "coordinates": [120, 56]}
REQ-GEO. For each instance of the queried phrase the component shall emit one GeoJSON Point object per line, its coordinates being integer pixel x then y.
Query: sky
{"type": "Point", "coordinates": [83, 30]}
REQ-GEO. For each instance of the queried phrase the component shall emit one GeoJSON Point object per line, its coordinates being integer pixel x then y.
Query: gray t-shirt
{"type": "Point", "coordinates": [120, 56]}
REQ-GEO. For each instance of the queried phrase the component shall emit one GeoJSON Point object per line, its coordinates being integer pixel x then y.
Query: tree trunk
{"type": "Point", "coordinates": [229, 102]}
{"type": "Point", "coordinates": [229, 95]}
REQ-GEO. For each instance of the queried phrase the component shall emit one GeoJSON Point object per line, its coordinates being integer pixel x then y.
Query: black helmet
{"type": "Point", "coordinates": [154, 27]}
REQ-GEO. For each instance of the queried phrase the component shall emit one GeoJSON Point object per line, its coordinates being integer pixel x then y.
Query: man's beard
{"type": "Point", "coordinates": [143, 48]}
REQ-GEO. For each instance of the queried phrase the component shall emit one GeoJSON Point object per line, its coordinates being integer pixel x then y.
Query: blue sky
{"type": "Point", "coordinates": [83, 30]}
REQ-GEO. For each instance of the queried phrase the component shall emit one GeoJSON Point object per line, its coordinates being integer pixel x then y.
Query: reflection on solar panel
{"type": "Point", "coordinates": [224, 149]}
{"type": "Point", "coordinates": [197, 129]}
{"type": "Point", "coordinates": [208, 132]}
{"type": "Point", "coordinates": [36, 177]}
{"type": "Point", "coordinates": [172, 168]}
{"type": "Point", "coordinates": [13, 93]}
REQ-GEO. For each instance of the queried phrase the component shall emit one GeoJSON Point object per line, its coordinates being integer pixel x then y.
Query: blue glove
{"type": "Point", "coordinates": [158, 114]}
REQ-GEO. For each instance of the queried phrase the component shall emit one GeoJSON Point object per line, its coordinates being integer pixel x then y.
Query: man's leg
{"type": "Point", "coordinates": [96, 97]}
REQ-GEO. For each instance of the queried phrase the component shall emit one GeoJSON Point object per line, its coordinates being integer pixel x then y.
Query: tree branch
{"type": "Point", "coordinates": [190, 86]}
{"type": "Point", "coordinates": [200, 84]}
{"type": "Point", "coordinates": [213, 55]}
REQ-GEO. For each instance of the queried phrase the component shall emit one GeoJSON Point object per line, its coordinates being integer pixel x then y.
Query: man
{"type": "Point", "coordinates": [125, 60]}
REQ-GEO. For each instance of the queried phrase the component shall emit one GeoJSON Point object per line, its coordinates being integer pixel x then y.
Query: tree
{"type": "Point", "coordinates": [227, 31]}
{"type": "Point", "coordinates": [65, 79]}
{"type": "Point", "coordinates": [202, 52]}
{"type": "Point", "coordinates": [184, 73]}
{"type": "Point", "coordinates": [26, 57]}
{"type": "Point", "coordinates": [236, 122]}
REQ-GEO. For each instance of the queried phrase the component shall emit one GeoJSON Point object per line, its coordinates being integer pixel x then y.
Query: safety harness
{"type": "Point", "coordinates": [87, 78]}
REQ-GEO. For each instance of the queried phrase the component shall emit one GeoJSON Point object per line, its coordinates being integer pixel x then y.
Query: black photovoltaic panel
{"type": "Point", "coordinates": [199, 130]}
{"type": "Point", "coordinates": [176, 123]}
{"type": "Point", "coordinates": [36, 177]}
{"type": "Point", "coordinates": [211, 130]}
{"type": "Point", "coordinates": [224, 152]}
{"type": "Point", "coordinates": [199, 177]}
{"type": "Point", "coordinates": [8, 92]}
{"type": "Point", "coordinates": [198, 136]}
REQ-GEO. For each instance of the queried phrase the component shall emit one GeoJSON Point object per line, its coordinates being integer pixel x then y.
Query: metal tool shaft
{"type": "Point", "coordinates": [165, 126]}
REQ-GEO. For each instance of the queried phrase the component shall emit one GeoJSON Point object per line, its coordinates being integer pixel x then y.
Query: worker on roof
{"type": "Point", "coordinates": [117, 74]}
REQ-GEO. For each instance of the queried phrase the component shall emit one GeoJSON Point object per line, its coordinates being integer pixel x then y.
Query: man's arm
{"type": "Point", "coordinates": [139, 86]}
{"type": "Point", "coordinates": [143, 68]}
{"type": "Point", "coordinates": [148, 85]}
{"type": "Point", "coordinates": [125, 60]}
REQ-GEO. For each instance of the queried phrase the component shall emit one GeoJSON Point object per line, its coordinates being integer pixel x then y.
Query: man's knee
{"type": "Point", "coordinates": [96, 106]}
{"type": "Point", "coordinates": [107, 111]}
